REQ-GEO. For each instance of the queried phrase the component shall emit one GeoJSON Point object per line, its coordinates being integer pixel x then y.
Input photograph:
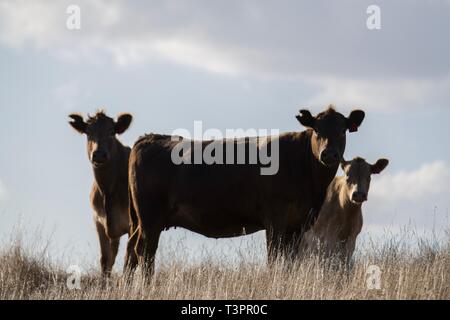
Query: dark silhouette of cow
{"type": "Point", "coordinates": [227, 200]}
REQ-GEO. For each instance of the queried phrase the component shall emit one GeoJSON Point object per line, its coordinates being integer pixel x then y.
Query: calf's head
{"type": "Point", "coordinates": [101, 133]}
{"type": "Point", "coordinates": [329, 133]}
{"type": "Point", "coordinates": [357, 175]}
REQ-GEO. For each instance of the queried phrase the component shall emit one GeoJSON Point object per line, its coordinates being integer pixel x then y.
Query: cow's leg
{"type": "Point", "coordinates": [149, 213]}
{"type": "Point", "coordinates": [347, 255]}
{"type": "Point", "coordinates": [131, 259]}
{"type": "Point", "coordinates": [114, 243]}
{"type": "Point", "coordinates": [288, 245]}
{"type": "Point", "coordinates": [105, 250]}
{"type": "Point", "coordinates": [146, 247]}
{"type": "Point", "coordinates": [291, 245]}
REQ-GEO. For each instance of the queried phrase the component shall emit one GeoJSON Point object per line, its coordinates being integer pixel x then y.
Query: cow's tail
{"type": "Point", "coordinates": [131, 255]}
{"type": "Point", "coordinates": [132, 215]}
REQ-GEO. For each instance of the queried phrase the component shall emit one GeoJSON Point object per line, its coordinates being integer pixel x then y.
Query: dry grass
{"type": "Point", "coordinates": [423, 273]}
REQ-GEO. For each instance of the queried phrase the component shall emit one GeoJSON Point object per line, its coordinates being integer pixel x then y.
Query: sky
{"type": "Point", "coordinates": [231, 64]}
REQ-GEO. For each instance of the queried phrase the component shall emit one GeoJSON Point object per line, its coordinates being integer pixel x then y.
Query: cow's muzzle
{"type": "Point", "coordinates": [330, 157]}
{"type": "Point", "coordinates": [359, 197]}
{"type": "Point", "coordinates": [99, 158]}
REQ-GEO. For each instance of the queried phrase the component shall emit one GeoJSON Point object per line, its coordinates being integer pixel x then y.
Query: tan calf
{"type": "Point", "coordinates": [340, 218]}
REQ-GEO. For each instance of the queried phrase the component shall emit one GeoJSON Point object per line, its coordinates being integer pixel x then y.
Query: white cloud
{"type": "Point", "coordinates": [197, 55]}
{"type": "Point", "coordinates": [105, 29]}
{"type": "Point", "coordinates": [24, 20]}
{"type": "Point", "coordinates": [181, 51]}
{"type": "Point", "coordinates": [430, 180]}
{"type": "Point", "coordinates": [419, 198]}
{"type": "Point", "coordinates": [324, 45]}
{"type": "Point", "coordinates": [380, 94]}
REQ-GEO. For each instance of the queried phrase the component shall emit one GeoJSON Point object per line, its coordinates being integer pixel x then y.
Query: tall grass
{"type": "Point", "coordinates": [406, 273]}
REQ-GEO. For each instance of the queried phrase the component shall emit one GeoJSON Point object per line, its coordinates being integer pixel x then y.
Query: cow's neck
{"type": "Point", "coordinates": [322, 174]}
{"type": "Point", "coordinates": [108, 177]}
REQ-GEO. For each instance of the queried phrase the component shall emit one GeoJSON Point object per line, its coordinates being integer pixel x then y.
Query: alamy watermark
{"type": "Point", "coordinates": [373, 281]}
{"type": "Point", "coordinates": [255, 147]}
{"type": "Point", "coordinates": [74, 280]}
{"type": "Point", "coordinates": [73, 21]}
{"type": "Point", "coordinates": [373, 21]}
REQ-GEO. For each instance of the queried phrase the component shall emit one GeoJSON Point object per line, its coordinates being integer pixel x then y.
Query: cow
{"type": "Point", "coordinates": [228, 200]}
{"type": "Point", "coordinates": [340, 219]}
{"type": "Point", "coordinates": [109, 193]}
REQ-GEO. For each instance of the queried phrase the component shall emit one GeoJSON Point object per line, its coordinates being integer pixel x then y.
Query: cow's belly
{"type": "Point", "coordinates": [224, 232]}
{"type": "Point", "coordinates": [214, 224]}
{"type": "Point", "coordinates": [121, 223]}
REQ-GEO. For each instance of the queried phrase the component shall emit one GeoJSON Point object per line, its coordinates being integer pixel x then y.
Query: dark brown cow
{"type": "Point", "coordinates": [109, 194]}
{"type": "Point", "coordinates": [221, 200]}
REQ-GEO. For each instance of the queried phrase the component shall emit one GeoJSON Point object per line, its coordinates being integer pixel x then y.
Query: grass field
{"type": "Point", "coordinates": [406, 273]}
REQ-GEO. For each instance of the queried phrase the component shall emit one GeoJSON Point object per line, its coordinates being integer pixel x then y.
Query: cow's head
{"type": "Point", "coordinates": [329, 133]}
{"type": "Point", "coordinates": [101, 133]}
{"type": "Point", "coordinates": [357, 175]}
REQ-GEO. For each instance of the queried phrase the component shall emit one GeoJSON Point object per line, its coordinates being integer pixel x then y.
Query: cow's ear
{"type": "Point", "coordinates": [354, 120]}
{"type": "Point", "coordinates": [344, 164]}
{"type": "Point", "coordinates": [379, 166]}
{"type": "Point", "coordinates": [306, 119]}
{"type": "Point", "coordinates": [78, 123]}
{"type": "Point", "coordinates": [123, 122]}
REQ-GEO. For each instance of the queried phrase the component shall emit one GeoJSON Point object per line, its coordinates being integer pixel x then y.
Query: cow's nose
{"type": "Point", "coordinates": [329, 157]}
{"type": "Point", "coordinates": [359, 196]}
{"type": "Point", "coordinates": [99, 156]}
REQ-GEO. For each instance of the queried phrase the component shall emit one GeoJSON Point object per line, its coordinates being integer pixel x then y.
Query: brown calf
{"type": "Point", "coordinates": [340, 219]}
{"type": "Point", "coordinates": [109, 194]}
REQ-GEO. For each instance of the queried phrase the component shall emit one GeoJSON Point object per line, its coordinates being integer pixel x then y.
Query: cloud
{"type": "Point", "coordinates": [269, 38]}
{"type": "Point", "coordinates": [34, 21]}
{"type": "Point", "coordinates": [419, 197]}
{"type": "Point", "coordinates": [380, 94]}
{"type": "Point", "coordinates": [430, 180]}
{"type": "Point", "coordinates": [324, 45]}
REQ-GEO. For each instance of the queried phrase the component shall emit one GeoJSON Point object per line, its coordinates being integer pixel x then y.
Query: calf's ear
{"type": "Point", "coordinates": [344, 164]}
{"type": "Point", "coordinates": [78, 123]}
{"type": "Point", "coordinates": [306, 119]}
{"type": "Point", "coordinates": [123, 122]}
{"type": "Point", "coordinates": [354, 120]}
{"type": "Point", "coordinates": [379, 166]}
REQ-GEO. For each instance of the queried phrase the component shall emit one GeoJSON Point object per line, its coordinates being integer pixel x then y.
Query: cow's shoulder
{"type": "Point", "coordinates": [152, 146]}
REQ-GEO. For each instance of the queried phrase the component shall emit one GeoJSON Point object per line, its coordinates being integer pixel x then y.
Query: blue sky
{"type": "Point", "coordinates": [243, 64]}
